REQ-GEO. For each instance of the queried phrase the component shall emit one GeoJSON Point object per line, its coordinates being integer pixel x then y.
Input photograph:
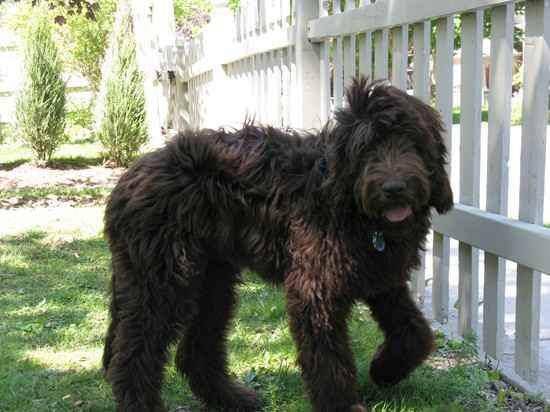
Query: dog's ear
{"type": "Point", "coordinates": [441, 192]}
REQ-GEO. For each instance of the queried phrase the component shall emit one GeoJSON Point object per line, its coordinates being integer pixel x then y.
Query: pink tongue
{"type": "Point", "coordinates": [398, 214]}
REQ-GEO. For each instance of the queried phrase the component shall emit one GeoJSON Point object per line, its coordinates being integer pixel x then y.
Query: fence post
{"type": "Point", "coordinates": [165, 24]}
{"type": "Point", "coordinates": [218, 37]}
{"type": "Point", "coordinates": [533, 149]}
{"type": "Point", "coordinates": [308, 79]}
{"type": "Point", "coordinates": [154, 31]}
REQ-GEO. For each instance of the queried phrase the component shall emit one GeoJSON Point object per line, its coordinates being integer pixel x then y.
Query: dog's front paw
{"type": "Point", "coordinates": [387, 370]}
{"type": "Point", "coordinates": [243, 399]}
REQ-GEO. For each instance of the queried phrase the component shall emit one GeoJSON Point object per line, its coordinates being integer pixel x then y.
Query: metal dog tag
{"type": "Point", "coordinates": [378, 241]}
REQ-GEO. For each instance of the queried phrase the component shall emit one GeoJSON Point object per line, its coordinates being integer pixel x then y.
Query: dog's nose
{"type": "Point", "coordinates": [393, 186]}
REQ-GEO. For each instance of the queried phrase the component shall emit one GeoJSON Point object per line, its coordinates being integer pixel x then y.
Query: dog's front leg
{"type": "Point", "coordinates": [318, 325]}
{"type": "Point", "coordinates": [408, 336]}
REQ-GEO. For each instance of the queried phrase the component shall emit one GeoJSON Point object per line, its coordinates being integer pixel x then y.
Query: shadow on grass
{"type": "Point", "coordinates": [34, 386]}
{"type": "Point", "coordinates": [7, 166]}
{"type": "Point", "coordinates": [75, 162]}
{"type": "Point", "coordinates": [49, 289]}
{"type": "Point", "coordinates": [58, 163]}
{"type": "Point", "coordinates": [53, 299]}
{"type": "Point", "coordinates": [89, 139]}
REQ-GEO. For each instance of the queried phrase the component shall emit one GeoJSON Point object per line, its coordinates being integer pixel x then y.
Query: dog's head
{"type": "Point", "coordinates": [391, 145]}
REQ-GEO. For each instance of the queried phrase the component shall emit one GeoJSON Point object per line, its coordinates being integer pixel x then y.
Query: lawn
{"type": "Point", "coordinates": [54, 271]}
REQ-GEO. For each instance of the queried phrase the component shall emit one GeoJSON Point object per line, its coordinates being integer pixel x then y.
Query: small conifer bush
{"type": "Point", "coordinates": [122, 126]}
{"type": "Point", "coordinates": [40, 105]}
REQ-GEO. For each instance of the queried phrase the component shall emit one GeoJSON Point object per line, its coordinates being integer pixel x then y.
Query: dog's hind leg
{"type": "Point", "coordinates": [108, 348]}
{"type": "Point", "coordinates": [408, 336]}
{"type": "Point", "coordinates": [202, 353]}
{"type": "Point", "coordinates": [137, 341]}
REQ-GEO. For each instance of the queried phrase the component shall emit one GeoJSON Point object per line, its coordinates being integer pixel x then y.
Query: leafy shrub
{"type": "Point", "coordinates": [40, 105]}
{"type": "Point", "coordinates": [85, 35]}
{"type": "Point", "coordinates": [3, 133]}
{"type": "Point", "coordinates": [191, 15]}
{"type": "Point", "coordinates": [234, 4]}
{"type": "Point", "coordinates": [81, 29]}
{"type": "Point", "coordinates": [121, 126]}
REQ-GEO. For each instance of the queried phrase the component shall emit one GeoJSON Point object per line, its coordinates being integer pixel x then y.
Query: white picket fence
{"type": "Point", "coordinates": [287, 63]}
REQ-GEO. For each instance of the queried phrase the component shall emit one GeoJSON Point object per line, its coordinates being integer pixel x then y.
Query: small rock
{"type": "Point", "coordinates": [498, 386]}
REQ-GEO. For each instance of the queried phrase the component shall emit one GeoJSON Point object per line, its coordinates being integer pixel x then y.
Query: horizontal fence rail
{"type": "Point", "coordinates": [248, 47]}
{"type": "Point", "coordinates": [521, 242]}
{"type": "Point", "coordinates": [391, 13]}
{"type": "Point", "coordinates": [289, 63]}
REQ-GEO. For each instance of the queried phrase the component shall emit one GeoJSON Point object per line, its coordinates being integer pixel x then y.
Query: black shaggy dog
{"type": "Point", "coordinates": [334, 217]}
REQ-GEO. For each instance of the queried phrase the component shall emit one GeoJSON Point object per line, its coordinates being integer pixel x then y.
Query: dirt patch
{"type": "Point", "coordinates": [508, 398]}
{"type": "Point", "coordinates": [28, 175]}
{"type": "Point", "coordinates": [18, 201]}
{"type": "Point", "coordinates": [503, 396]}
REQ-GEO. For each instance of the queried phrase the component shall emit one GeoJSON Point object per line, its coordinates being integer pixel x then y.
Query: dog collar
{"type": "Point", "coordinates": [323, 166]}
{"type": "Point", "coordinates": [378, 241]}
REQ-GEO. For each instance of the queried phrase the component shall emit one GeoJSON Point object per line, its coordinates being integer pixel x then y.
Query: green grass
{"type": "Point", "coordinates": [456, 115]}
{"type": "Point", "coordinates": [53, 313]}
{"type": "Point", "coordinates": [75, 154]}
{"type": "Point", "coordinates": [515, 116]}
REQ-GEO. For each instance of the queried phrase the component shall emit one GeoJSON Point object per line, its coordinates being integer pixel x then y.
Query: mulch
{"type": "Point", "coordinates": [28, 175]}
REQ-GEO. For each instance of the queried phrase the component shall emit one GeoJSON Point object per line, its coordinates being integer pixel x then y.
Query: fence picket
{"type": "Point", "coordinates": [270, 88]}
{"type": "Point", "coordinates": [338, 78]}
{"type": "Point", "coordinates": [252, 18]}
{"type": "Point", "coordinates": [365, 54]}
{"type": "Point", "coordinates": [444, 103]}
{"type": "Point", "coordinates": [400, 56]}
{"type": "Point", "coordinates": [253, 111]}
{"type": "Point", "coordinates": [266, 103]}
{"type": "Point", "coordinates": [259, 16]}
{"type": "Point", "coordinates": [285, 98]}
{"type": "Point", "coordinates": [381, 45]}
{"type": "Point", "coordinates": [286, 12]}
{"type": "Point", "coordinates": [324, 69]}
{"type": "Point", "coordinates": [349, 52]}
{"type": "Point", "coordinates": [470, 134]}
{"type": "Point", "coordinates": [349, 59]}
{"type": "Point", "coordinates": [421, 58]}
{"type": "Point", "coordinates": [293, 91]}
{"type": "Point", "coordinates": [307, 67]}
{"type": "Point", "coordinates": [498, 153]}
{"type": "Point", "coordinates": [533, 149]}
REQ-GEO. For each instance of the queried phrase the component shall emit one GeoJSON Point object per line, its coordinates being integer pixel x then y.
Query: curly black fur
{"type": "Point", "coordinates": [302, 210]}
